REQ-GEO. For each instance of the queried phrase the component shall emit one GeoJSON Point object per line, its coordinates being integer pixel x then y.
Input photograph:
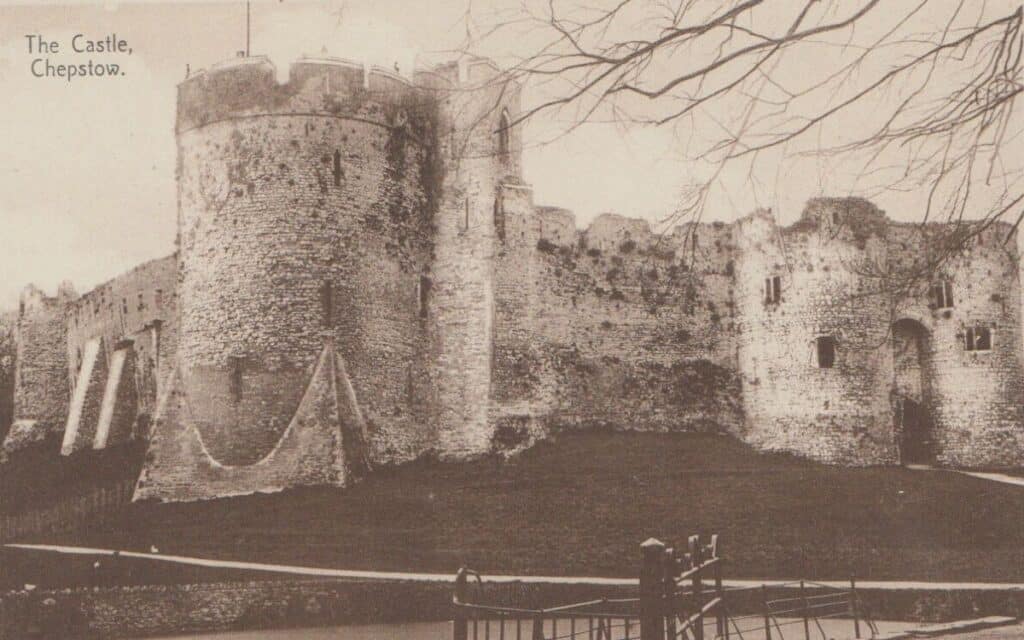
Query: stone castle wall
{"type": "Point", "coordinates": [832, 266]}
{"type": "Point", "coordinates": [8, 353]}
{"type": "Point", "coordinates": [41, 386]}
{"type": "Point", "coordinates": [614, 326]}
{"type": "Point", "coordinates": [975, 398]}
{"type": "Point", "coordinates": [840, 414]}
{"type": "Point", "coordinates": [462, 301]}
{"type": "Point", "coordinates": [136, 312]}
{"type": "Point", "coordinates": [363, 278]}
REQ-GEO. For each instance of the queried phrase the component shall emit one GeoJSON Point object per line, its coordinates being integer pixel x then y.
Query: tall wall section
{"type": "Point", "coordinates": [305, 218]}
{"type": "Point", "coordinates": [41, 386]}
{"type": "Point", "coordinates": [8, 352]}
{"type": "Point", "coordinates": [613, 327]}
{"type": "Point", "coordinates": [135, 312]}
{"type": "Point", "coordinates": [478, 152]}
{"type": "Point", "coordinates": [840, 413]}
{"type": "Point", "coordinates": [975, 399]}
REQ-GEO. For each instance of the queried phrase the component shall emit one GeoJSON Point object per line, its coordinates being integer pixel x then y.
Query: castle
{"type": "Point", "coordinates": [362, 278]}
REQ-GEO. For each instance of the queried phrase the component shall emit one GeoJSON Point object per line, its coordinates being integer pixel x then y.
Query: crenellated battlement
{"type": "Point", "coordinates": [316, 85]}
{"type": "Point", "coordinates": [329, 86]}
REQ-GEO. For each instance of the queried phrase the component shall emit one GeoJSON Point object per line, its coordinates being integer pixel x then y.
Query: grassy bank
{"type": "Point", "coordinates": [39, 476]}
{"type": "Point", "coordinates": [580, 505]}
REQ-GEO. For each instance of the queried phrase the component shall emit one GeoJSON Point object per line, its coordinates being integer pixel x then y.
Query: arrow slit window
{"type": "Point", "coordinates": [826, 347]}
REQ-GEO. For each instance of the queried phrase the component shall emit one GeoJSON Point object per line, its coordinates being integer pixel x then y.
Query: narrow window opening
{"type": "Point", "coordinates": [499, 219]}
{"type": "Point", "coordinates": [124, 306]}
{"type": "Point", "coordinates": [235, 364]}
{"type": "Point", "coordinates": [826, 352]}
{"type": "Point", "coordinates": [504, 126]}
{"type": "Point", "coordinates": [465, 221]}
{"type": "Point", "coordinates": [773, 290]}
{"type": "Point", "coordinates": [327, 303]}
{"type": "Point", "coordinates": [337, 169]}
{"type": "Point", "coordinates": [942, 294]}
{"type": "Point", "coordinates": [978, 339]}
{"type": "Point", "coordinates": [142, 304]}
{"type": "Point", "coordinates": [158, 298]}
{"type": "Point", "coordinates": [423, 293]}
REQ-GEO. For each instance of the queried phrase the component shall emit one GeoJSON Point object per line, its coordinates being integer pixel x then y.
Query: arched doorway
{"type": "Point", "coordinates": [911, 418]}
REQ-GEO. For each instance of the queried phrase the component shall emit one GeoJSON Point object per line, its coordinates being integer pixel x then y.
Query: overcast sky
{"type": "Point", "coordinates": [87, 167]}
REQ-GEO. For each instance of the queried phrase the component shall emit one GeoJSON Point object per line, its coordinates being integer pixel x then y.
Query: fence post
{"type": "Point", "coordinates": [853, 607]}
{"type": "Point", "coordinates": [803, 604]}
{"type": "Point", "coordinates": [697, 557]}
{"type": "Point", "coordinates": [460, 622]}
{"type": "Point", "coordinates": [721, 623]}
{"type": "Point", "coordinates": [538, 627]}
{"type": "Point", "coordinates": [652, 618]}
{"type": "Point", "coordinates": [669, 592]}
{"type": "Point", "coordinates": [767, 613]}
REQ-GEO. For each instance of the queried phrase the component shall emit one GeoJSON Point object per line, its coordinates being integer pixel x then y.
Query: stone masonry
{"type": "Point", "coordinates": [362, 278]}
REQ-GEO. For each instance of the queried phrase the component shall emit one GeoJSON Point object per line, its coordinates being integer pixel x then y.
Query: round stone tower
{"type": "Point", "coordinates": [813, 333]}
{"type": "Point", "coordinates": [306, 214]}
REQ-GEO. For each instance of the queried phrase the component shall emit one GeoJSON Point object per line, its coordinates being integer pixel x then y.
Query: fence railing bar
{"type": "Point", "coordinates": [699, 616]}
{"type": "Point", "coordinates": [817, 597]}
{"type": "Point", "coordinates": [838, 614]}
{"type": "Point", "coordinates": [811, 607]}
{"type": "Point", "coordinates": [690, 573]}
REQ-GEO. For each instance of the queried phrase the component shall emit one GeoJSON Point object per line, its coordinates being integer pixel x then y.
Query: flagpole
{"type": "Point", "coordinates": [246, 28]}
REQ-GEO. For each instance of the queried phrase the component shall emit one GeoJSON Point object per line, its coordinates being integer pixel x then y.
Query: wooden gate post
{"type": "Point", "coordinates": [652, 618]}
{"type": "Point", "coordinates": [722, 623]}
{"type": "Point", "coordinates": [670, 600]}
{"type": "Point", "coordinates": [538, 627]}
{"type": "Point", "coordinates": [459, 620]}
{"type": "Point", "coordinates": [806, 610]}
{"type": "Point", "coordinates": [767, 613]}
{"type": "Point", "coordinates": [853, 608]}
{"type": "Point", "coordinates": [697, 559]}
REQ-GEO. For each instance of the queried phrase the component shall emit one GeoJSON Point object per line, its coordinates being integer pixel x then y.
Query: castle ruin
{"type": "Point", "coordinates": [362, 278]}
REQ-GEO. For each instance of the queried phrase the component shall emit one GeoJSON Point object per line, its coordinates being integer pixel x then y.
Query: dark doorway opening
{"type": "Point", "coordinates": [915, 429]}
{"type": "Point", "coordinates": [912, 418]}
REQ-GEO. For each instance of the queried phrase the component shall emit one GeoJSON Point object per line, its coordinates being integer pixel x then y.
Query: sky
{"type": "Point", "coordinates": [87, 166]}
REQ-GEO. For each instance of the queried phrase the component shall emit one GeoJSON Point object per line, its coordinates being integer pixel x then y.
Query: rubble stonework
{"type": "Point", "coordinates": [362, 278]}
{"type": "Point", "coordinates": [8, 351]}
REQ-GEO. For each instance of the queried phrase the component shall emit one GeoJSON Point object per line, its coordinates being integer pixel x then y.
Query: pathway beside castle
{"type": "Point", "coordinates": [994, 477]}
{"type": "Point", "coordinates": [444, 577]}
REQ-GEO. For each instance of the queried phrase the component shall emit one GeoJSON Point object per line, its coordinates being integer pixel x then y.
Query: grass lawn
{"type": "Point", "coordinates": [39, 476]}
{"type": "Point", "coordinates": [581, 504]}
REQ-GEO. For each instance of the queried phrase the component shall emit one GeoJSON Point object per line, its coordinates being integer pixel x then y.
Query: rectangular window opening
{"type": "Point", "coordinates": [423, 290]}
{"type": "Point", "coordinates": [773, 290]}
{"type": "Point", "coordinates": [978, 339]}
{"type": "Point", "coordinates": [826, 352]}
{"type": "Point", "coordinates": [942, 294]}
{"type": "Point", "coordinates": [327, 303]}
{"type": "Point", "coordinates": [235, 365]}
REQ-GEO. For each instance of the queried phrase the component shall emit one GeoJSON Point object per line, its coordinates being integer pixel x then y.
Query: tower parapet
{"type": "Point", "coordinates": [316, 85]}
